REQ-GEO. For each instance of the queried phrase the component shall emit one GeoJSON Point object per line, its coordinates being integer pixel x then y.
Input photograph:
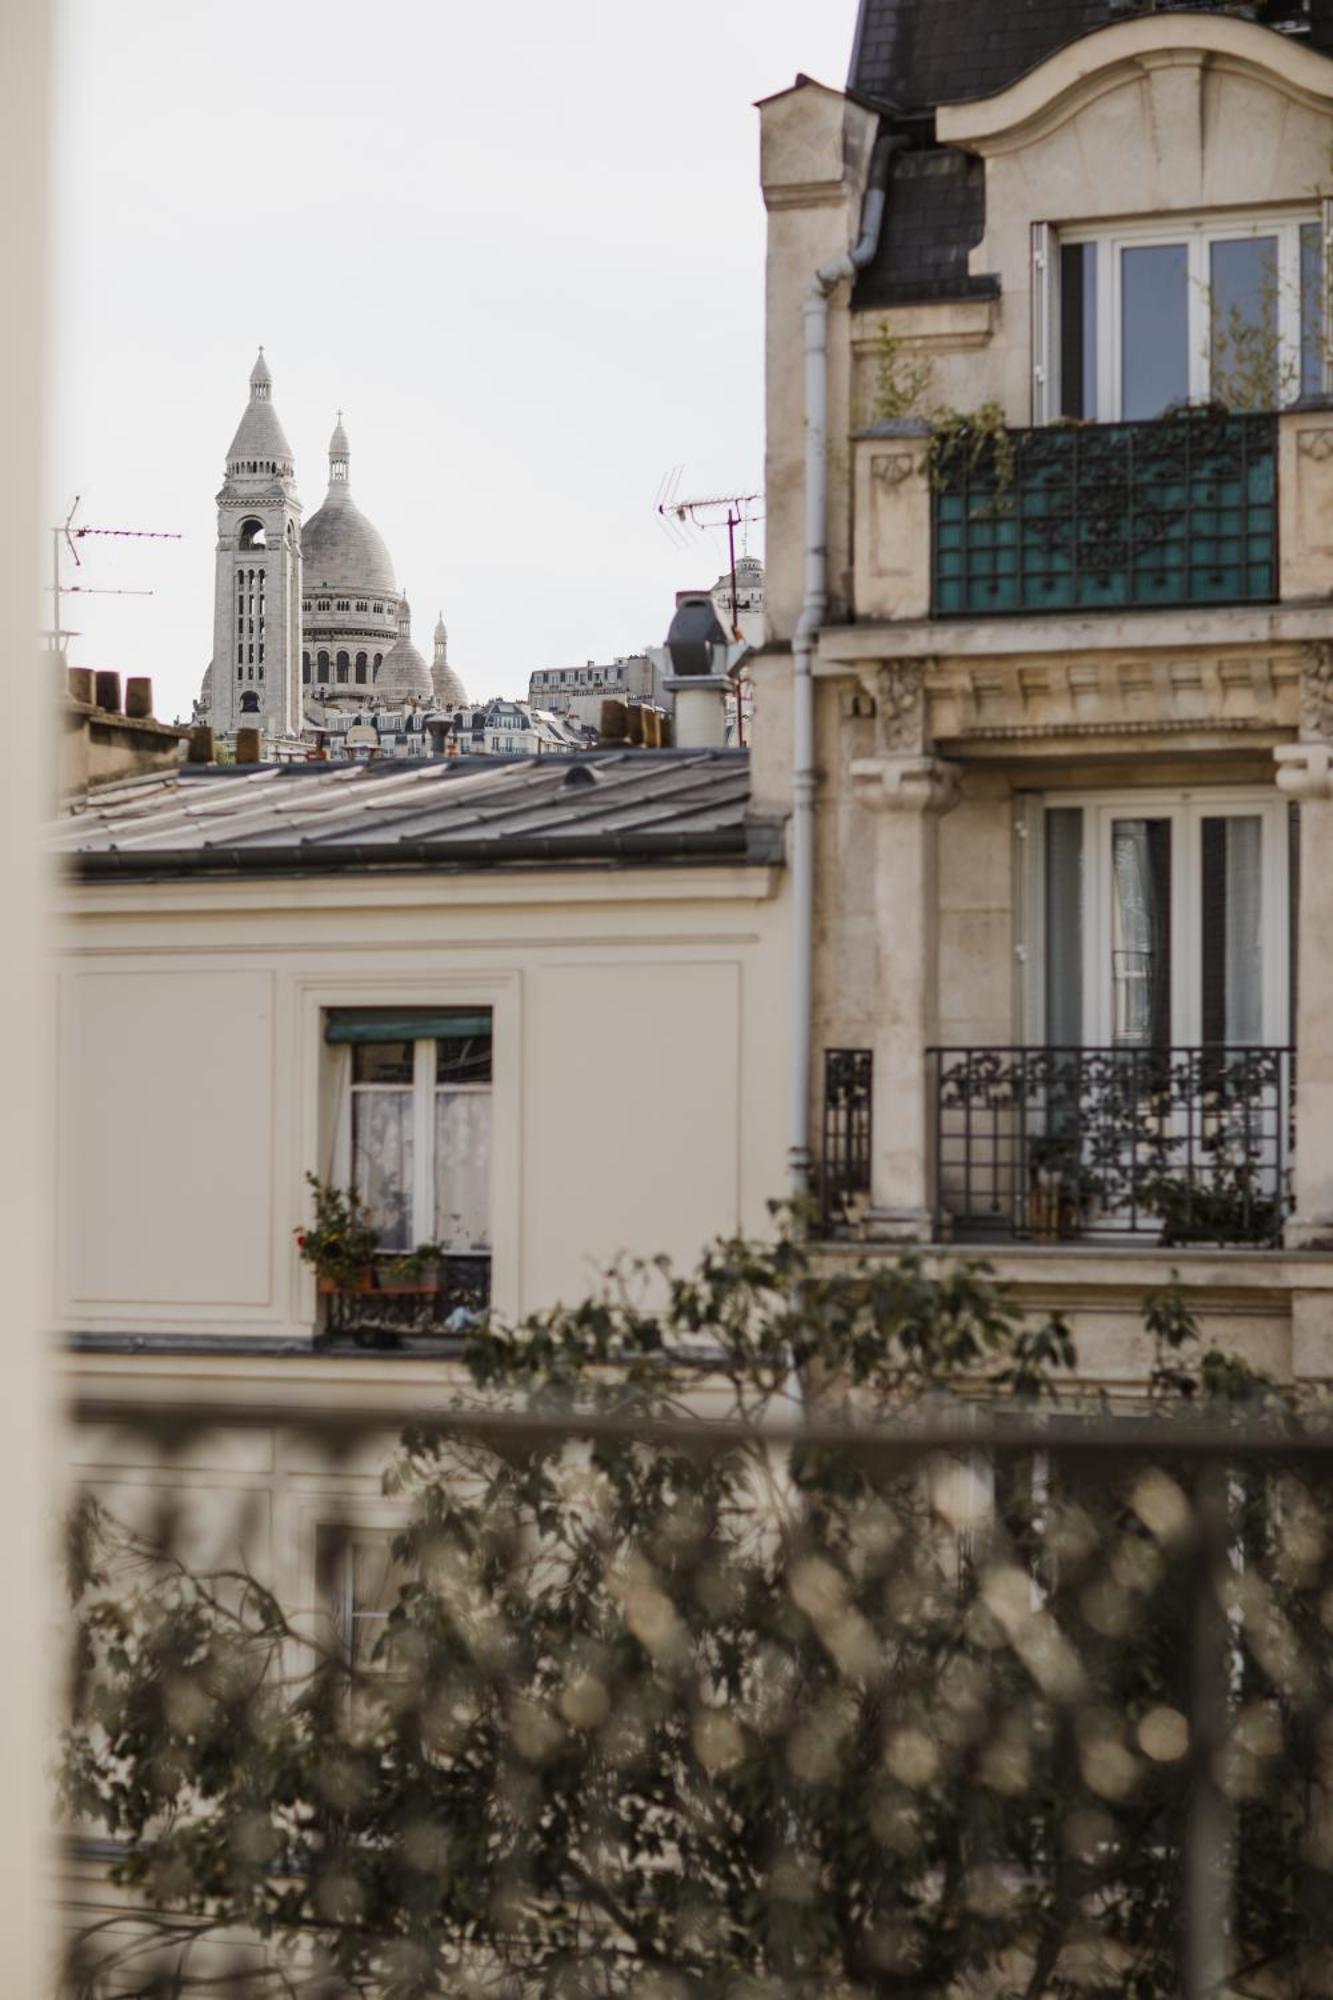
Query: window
{"type": "Point", "coordinates": [1166, 921]}
{"type": "Point", "coordinates": [419, 1132]}
{"type": "Point", "coordinates": [249, 702]}
{"type": "Point", "coordinates": [253, 535]}
{"type": "Point", "coordinates": [1150, 315]}
{"type": "Point", "coordinates": [343, 666]}
{"type": "Point", "coordinates": [358, 1582]}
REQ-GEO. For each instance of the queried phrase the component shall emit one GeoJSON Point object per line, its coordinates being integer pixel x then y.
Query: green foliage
{"type": "Point", "coordinates": [902, 380]}
{"type": "Point", "coordinates": [654, 1715]}
{"type": "Point", "coordinates": [961, 440]}
{"type": "Point", "coordinates": [341, 1240]}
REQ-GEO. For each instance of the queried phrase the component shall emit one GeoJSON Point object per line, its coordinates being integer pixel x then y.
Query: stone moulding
{"type": "Point", "coordinates": [905, 784]}
{"type": "Point", "coordinates": [1254, 693]}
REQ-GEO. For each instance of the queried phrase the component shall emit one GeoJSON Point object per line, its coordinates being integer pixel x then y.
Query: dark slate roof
{"type": "Point", "coordinates": [915, 54]}
{"type": "Point", "coordinates": [626, 807]}
{"type": "Point", "coordinates": [936, 213]}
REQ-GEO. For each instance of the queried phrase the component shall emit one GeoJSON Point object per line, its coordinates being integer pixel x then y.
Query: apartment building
{"type": "Point", "coordinates": [1048, 691]}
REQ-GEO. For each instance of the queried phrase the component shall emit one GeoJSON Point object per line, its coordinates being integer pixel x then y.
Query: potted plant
{"type": "Point", "coordinates": [1059, 1188]}
{"type": "Point", "coordinates": [413, 1274]}
{"type": "Point", "coordinates": [341, 1242]}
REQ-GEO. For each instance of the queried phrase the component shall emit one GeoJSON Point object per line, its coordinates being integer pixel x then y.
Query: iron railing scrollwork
{"type": "Point", "coordinates": [1182, 510]}
{"type": "Point", "coordinates": [389, 1316]}
{"type": "Point", "coordinates": [845, 1153]}
{"type": "Point", "coordinates": [1179, 1145]}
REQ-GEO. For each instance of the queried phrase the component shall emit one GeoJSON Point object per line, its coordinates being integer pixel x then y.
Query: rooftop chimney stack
{"type": "Point", "coordinates": [696, 665]}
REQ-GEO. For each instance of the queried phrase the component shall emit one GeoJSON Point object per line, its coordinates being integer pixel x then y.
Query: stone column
{"type": "Point", "coordinates": [1305, 772]}
{"type": "Point", "coordinates": [908, 790]}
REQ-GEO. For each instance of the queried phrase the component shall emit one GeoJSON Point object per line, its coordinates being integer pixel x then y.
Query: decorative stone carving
{"type": "Point", "coordinates": [1305, 770]}
{"type": "Point", "coordinates": [905, 784]}
{"type": "Point", "coordinates": [900, 702]}
{"type": "Point", "coordinates": [890, 468]}
{"type": "Point", "coordinates": [1317, 445]}
{"type": "Point", "coordinates": [1317, 694]}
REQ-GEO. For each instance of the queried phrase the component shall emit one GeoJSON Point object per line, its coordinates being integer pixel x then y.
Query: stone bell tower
{"type": "Point", "coordinates": [256, 673]}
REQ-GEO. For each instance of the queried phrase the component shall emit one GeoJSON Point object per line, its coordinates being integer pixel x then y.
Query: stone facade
{"type": "Point", "coordinates": [947, 737]}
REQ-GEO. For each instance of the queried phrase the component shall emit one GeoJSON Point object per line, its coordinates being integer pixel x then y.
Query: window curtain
{"type": "Point", "coordinates": [1141, 933]}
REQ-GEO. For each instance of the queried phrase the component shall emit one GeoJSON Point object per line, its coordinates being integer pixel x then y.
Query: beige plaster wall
{"type": "Point", "coordinates": [640, 1018]}
{"type": "Point", "coordinates": [815, 148]}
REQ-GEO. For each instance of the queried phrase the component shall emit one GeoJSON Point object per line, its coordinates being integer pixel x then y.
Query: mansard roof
{"type": "Point", "coordinates": [618, 807]}
{"type": "Point", "coordinates": [916, 54]}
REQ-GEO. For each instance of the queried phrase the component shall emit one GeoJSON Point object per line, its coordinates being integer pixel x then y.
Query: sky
{"type": "Point", "coordinates": [520, 244]}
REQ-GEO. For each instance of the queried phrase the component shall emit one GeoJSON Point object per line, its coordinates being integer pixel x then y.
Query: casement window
{"type": "Point", "coordinates": [1135, 318]}
{"type": "Point", "coordinates": [414, 1134]}
{"type": "Point", "coordinates": [1159, 919]}
{"type": "Point", "coordinates": [358, 1582]}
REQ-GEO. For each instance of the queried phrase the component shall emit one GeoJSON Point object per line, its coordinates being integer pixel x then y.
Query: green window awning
{"type": "Point", "coordinates": [399, 1024]}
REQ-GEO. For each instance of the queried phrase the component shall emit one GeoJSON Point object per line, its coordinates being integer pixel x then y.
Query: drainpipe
{"type": "Point", "coordinates": [816, 312]}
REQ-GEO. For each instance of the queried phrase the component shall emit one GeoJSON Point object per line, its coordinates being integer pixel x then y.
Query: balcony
{"type": "Point", "coordinates": [1116, 1145]}
{"type": "Point", "coordinates": [1105, 517]}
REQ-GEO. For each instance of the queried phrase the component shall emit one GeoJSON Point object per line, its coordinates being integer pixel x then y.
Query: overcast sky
{"type": "Point", "coordinates": [520, 243]}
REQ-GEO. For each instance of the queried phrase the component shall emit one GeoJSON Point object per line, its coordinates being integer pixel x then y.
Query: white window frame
{"type": "Point", "coordinates": [1198, 233]}
{"type": "Point", "coordinates": [425, 1089]}
{"type": "Point", "coordinates": [1186, 810]}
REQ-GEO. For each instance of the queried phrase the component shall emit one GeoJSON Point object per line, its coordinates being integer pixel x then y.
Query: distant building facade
{"type": "Point", "coordinates": [580, 691]}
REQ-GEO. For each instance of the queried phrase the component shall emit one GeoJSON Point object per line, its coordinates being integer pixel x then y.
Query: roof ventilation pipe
{"type": "Point", "coordinates": [816, 313]}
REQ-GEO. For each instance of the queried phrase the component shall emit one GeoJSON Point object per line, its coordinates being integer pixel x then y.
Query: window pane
{"type": "Point", "coordinates": [1078, 330]}
{"type": "Point", "coordinates": [382, 1161]}
{"type": "Point", "coordinates": [1154, 329]}
{"type": "Point", "coordinates": [1243, 328]}
{"type": "Point", "coordinates": [463, 1059]}
{"type": "Point", "coordinates": [1141, 933]}
{"type": "Point", "coordinates": [1312, 309]}
{"type": "Point", "coordinates": [1233, 965]}
{"type": "Point", "coordinates": [382, 1062]}
{"type": "Point", "coordinates": [1064, 926]}
{"type": "Point", "coordinates": [463, 1169]}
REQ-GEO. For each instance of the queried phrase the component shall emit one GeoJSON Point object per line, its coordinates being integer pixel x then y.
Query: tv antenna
{"type": "Point", "coordinates": [717, 510]}
{"type": "Point", "coordinates": [71, 536]}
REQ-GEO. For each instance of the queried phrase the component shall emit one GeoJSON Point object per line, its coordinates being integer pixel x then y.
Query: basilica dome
{"type": "Point", "coordinates": [340, 549]}
{"type": "Point", "coordinates": [404, 675]}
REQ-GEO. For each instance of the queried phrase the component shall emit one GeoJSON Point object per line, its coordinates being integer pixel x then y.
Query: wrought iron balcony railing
{"type": "Point", "coordinates": [844, 1157]}
{"type": "Point", "coordinates": [388, 1313]}
{"type": "Point", "coordinates": [1182, 510]}
{"type": "Point", "coordinates": [1176, 1145]}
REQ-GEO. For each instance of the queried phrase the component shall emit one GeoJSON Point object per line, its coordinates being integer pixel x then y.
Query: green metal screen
{"type": "Point", "coordinates": [1182, 510]}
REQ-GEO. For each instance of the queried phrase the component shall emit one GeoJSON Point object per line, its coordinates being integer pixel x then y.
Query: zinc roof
{"type": "Point", "coordinates": [627, 807]}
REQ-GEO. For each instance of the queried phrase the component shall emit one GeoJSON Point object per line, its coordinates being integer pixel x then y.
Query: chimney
{"type": "Point", "coordinates": [696, 665]}
{"type": "Point", "coordinates": [81, 685]}
{"type": "Point", "coordinates": [139, 698]}
{"type": "Point", "coordinates": [249, 746]}
{"type": "Point", "coordinates": [107, 692]}
{"type": "Point", "coordinates": [201, 745]}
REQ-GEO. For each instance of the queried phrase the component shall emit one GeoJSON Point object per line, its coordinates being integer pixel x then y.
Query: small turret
{"type": "Point", "coordinates": [340, 455]}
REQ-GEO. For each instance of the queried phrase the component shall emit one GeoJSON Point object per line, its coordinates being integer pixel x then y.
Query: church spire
{"type": "Point", "coordinates": [261, 382]}
{"type": "Point", "coordinates": [339, 454]}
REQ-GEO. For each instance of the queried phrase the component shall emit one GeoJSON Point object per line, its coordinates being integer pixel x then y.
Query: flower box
{"type": "Point", "coordinates": [354, 1284]}
{"type": "Point", "coordinates": [410, 1284]}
